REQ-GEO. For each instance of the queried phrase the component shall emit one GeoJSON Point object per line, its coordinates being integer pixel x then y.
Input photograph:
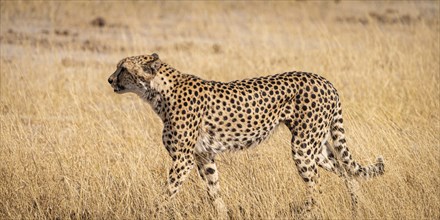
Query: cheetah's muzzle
{"type": "Point", "coordinates": [118, 89]}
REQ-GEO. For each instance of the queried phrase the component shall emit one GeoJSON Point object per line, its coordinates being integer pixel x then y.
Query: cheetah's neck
{"type": "Point", "coordinates": [166, 78]}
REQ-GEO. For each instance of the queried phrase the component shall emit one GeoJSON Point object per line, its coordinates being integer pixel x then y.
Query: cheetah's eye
{"type": "Point", "coordinates": [124, 70]}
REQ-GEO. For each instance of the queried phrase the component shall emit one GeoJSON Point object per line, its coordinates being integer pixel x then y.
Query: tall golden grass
{"type": "Point", "coordinates": [71, 148]}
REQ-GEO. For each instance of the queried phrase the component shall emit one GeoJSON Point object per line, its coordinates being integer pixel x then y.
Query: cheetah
{"type": "Point", "coordinates": [203, 118]}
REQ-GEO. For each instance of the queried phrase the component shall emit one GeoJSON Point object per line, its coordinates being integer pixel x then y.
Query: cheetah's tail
{"type": "Point", "coordinates": [350, 165]}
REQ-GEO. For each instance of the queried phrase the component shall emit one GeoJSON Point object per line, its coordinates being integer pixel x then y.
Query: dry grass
{"type": "Point", "coordinates": [71, 148]}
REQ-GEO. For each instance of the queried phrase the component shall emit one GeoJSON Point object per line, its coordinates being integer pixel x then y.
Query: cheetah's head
{"type": "Point", "coordinates": [133, 74]}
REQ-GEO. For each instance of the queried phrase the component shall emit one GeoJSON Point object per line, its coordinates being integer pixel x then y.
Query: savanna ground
{"type": "Point", "coordinates": [71, 148]}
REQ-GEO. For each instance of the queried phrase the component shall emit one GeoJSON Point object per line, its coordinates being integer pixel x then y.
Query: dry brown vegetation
{"type": "Point", "coordinates": [71, 148]}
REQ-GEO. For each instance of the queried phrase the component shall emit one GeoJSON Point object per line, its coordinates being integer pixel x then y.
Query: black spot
{"type": "Point", "coordinates": [210, 170]}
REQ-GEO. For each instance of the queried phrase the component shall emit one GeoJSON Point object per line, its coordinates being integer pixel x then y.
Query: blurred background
{"type": "Point", "coordinates": [71, 148]}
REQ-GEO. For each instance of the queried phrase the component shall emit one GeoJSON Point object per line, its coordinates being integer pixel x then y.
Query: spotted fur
{"type": "Point", "coordinates": [203, 118]}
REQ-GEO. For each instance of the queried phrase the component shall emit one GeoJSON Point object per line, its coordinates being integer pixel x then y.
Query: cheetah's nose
{"type": "Point", "coordinates": [110, 80]}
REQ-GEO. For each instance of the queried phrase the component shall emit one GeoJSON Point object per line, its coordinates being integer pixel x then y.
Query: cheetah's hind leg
{"type": "Point", "coordinates": [327, 160]}
{"type": "Point", "coordinates": [308, 170]}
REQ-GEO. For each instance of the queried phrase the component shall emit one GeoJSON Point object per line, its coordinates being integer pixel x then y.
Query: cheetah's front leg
{"type": "Point", "coordinates": [209, 174]}
{"type": "Point", "coordinates": [182, 165]}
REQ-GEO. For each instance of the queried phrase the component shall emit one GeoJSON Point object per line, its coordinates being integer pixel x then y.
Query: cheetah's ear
{"type": "Point", "coordinates": [156, 57]}
{"type": "Point", "coordinates": [155, 65]}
